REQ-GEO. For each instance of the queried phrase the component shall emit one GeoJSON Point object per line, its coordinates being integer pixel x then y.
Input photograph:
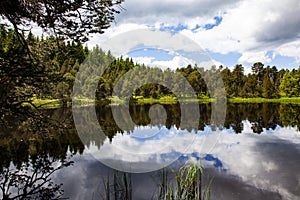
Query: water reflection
{"type": "Point", "coordinates": [268, 161]}
{"type": "Point", "coordinates": [33, 179]}
{"type": "Point", "coordinates": [20, 142]}
{"type": "Point", "coordinates": [32, 150]}
{"type": "Point", "coordinates": [265, 115]}
{"type": "Point", "coordinates": [233, 157]}
{"type": "Point", "coordinates": [257, 147]}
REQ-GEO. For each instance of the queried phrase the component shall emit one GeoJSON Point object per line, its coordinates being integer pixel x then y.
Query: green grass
{"type": "Point", "coordinates": [169, 100]}
{"type": "Point", "coordinates": [116, 100]}
{"type": "Point", "coordinates": [162, 100]}
{"type": "Point", "coordinates": [189, 184]}
{"type": "Point", "coordinates": [83, 101]}
{"type": "Point", "coordinates": [292, 100]}
{"type": "Point", "coordinates": [44, 103]}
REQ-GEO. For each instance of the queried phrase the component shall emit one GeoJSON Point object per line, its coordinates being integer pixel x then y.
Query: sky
{"type": "Point", "coordinates": [268, 161]}
{"type": "Point", "coordinates": [230, 32]}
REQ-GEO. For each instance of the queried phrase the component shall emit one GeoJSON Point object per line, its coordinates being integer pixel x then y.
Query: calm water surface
{"type": "Point", "coordinates": [255, 154]}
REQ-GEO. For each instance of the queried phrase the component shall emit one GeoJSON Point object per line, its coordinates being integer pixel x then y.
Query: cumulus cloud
{"type": "Point", "coordinates": [259, 160]}
{"type": "Point", "coordinates": [129, 41]}
{"type": "Point", "coordinates": [143, 60]}
{"type": "Point", "coordinates": [172, 12]}
{"type": "Point", "coordinates": [209, 64]}
{"type": "Point", "coordinates": [281, 22]}
{"type": "Point", "coordinates": [176, 62]}
{"type": "Point", "coordinates": [291, 49]}
{"type": "Point", "coordinates": [114, 31]}
{"type": "Point", "coordinates": [250, 28]}
{"type": "Point", "coordinates": [253, 57]}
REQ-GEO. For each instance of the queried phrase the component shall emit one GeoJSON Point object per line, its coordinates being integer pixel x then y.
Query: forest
{"type": "Point", "coordinates": [38, 74]}
{"type": "Point", "coordinates": [49, 72]}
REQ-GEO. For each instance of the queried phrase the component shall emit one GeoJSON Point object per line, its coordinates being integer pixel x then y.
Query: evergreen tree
{"type": "Point", "coordinates": [249, 89]}
{"type": "Point", "coordinates": [268, 88]}
{"type": "Point", "coordinates": [285, 84]}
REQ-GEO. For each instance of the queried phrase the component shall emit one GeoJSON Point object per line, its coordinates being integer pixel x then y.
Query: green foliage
{"type": "Point", "coordinates": [262, 82]}
{"type": "Point", "coordinates": [290, 84]}
{"type": "Point", "coordinates": [249, 89]}
{"type": "Point", "coordinates": [122, 74]}
{"type": "Point", "coordinates": [69, 19]}
{"type": "Point", "coordinates": [46, 69]}
{"type": "Point", "coordinates": [21, 73]}
{"type": "Point", "coordinates": [267, 87]}
{"type": "Point", "coordinates": [289, 115]}
{"type": "Point", "coordinates": [189, 184]}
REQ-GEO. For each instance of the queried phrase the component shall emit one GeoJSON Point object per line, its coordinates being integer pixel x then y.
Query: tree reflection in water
{"type": "Point", "coordinates": [33, 179]}
{"type": "Point", "coordinates": [32, 150]}
{"type": "Point", "coordinates": [260, 115]}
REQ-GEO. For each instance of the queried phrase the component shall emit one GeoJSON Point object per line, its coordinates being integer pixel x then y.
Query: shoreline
{"type": "Point", "coordinates": [56, 103]}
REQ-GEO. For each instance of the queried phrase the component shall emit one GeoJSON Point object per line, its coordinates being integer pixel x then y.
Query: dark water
{"type": "Point", "coordinates": [253, 154]}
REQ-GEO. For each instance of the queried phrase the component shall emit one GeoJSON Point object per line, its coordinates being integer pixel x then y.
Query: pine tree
{"type": "Point", "coordinates": [267, 87]}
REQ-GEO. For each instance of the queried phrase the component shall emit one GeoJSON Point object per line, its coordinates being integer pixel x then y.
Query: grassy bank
{"type": "Point", "coordinates": [56, 103]}
{"type": "Point", "coordinates": [44, 103]}
{"type": "Point", "coordinates": [291, 100]}
{"type": "Point", "coordinates": [168, 100]}
{"type": "Point", "coordinates": [173, 100]}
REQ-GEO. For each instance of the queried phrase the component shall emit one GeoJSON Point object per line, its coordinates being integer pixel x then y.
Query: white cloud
{"type": "Point", "coordinates": [176, 62]}
{"type": "Point", "coordinates": [259, 160]}
{"type": "Point", "coordinates": [253, 57]}
{"type": "Point", "coordinates": [248, 27]}
{"type": "Point", "coordinates": [269, 166]}
{"type": "Point", "coordinates": [123, 43]}
{"type": "Point", "coordinates": [209, 64]}
{"type": "Point", "coordinates": [143, 60]}
{"type": "Point", "coordinates": [172, 12]}
{"type": "Point", "coordinates": [113, 31]}
{"type": "Point", "coordinates": [291, 49]}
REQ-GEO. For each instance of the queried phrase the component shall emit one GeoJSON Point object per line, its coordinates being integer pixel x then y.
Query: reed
{"type": "Point", "coordinates": [120, 189]}
{"type": "Point", "coordinates": [189, 184]}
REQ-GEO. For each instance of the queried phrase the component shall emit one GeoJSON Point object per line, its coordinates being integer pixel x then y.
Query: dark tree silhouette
{"type": "Point", "coordinates": [65, 18]}
{"type": "Point", "coordinates": [32, 180]}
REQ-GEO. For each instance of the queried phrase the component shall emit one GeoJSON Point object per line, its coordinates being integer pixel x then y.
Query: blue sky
{"type": "Point", "coordinates": [158, 54]}
{"type": "Point", "coordinates": [230, 32]}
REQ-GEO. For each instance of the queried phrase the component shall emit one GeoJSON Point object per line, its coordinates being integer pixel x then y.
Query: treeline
{"type": "Point", "coordinates": [265, 82]}
{"type": "Point", "coordinates": [123, 74]}
{"type": "Point", "coordinates": [42, 67]}
{"type": "Point", "coordinates": [46, 68]}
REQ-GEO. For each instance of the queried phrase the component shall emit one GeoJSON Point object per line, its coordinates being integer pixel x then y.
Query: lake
{"type": "Point", "coordinates": [253, 154]}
